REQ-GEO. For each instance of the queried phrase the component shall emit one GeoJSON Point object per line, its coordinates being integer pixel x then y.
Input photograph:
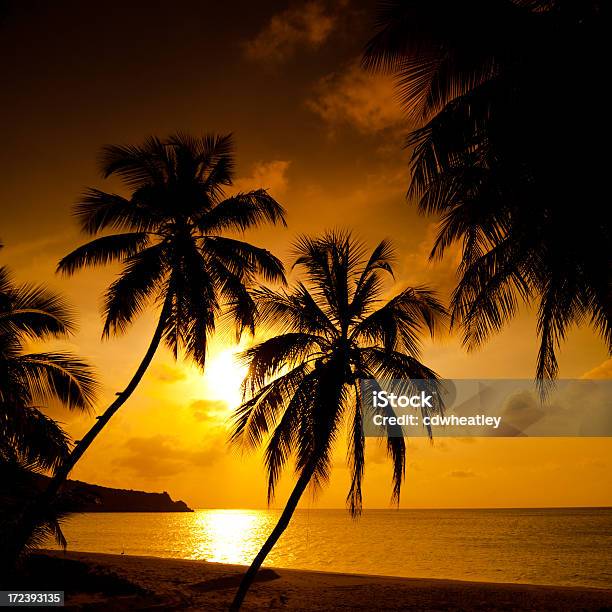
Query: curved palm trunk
{"type": "Point", "coordinates": [26, 524]}
{"type": "Point", "coordinates": [282, 524]}
{"type": "Point", "coordinates": [23, 527]}
{"type": "Point", "coordinates": [61, 475]}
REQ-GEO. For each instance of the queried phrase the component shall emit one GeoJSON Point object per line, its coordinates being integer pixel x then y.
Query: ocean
{"type": "Point", "coordinates": [539, 546]}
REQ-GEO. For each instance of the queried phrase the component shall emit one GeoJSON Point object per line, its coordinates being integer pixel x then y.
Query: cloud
{"type": "Point", "coordinates": [462, 474]}
{"type": "Point", "coordinates": [602, 371]}
{"type": "Point", "coordinates": [168, 373]}
{"type": "Point", "coordinates": [162, 456]}
{"type": "Point", "coordinates": [358, 98]}
{"type": "Point", "coordinates": [270, 175]}
{"type": "Point", "coordinates": [208, 410]}
{"type": "Point", "coordinates": [303, 25]}
{"type": "Point", "coordinates": [417, 268]}
{"type": "Point", "coordinates": [522, 410]}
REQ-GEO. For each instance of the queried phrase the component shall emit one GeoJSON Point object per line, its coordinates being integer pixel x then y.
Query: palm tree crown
{"type": "Point", "coordinates": [512, 184]}
{"type": "Point", "coordinates": [303, 383]}
{"type": "Point", "coordinates": [170, 240]}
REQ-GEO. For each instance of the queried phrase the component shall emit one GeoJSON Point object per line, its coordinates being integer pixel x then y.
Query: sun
{"type": "Point", "coordinates": [223, 377]}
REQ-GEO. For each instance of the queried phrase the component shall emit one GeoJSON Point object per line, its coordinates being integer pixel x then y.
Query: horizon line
{"type": "Point", "coordinates": [604, 507]}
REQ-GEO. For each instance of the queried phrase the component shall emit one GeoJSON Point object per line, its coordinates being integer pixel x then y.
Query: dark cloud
{"type": "Point", "coordinates": [162, 456]}
{"type": "Point", "coordinates": [355, 97]}
{"type": "Point", "coordinates": [304, 25]}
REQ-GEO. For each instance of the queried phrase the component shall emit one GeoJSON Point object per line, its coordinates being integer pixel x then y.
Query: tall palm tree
{"type": "Point", "coordinates": [169, 238]}
{"type": "Point", "coordinates": [31, 442]}
{"type": "Point", "coordinates": [304, 383]}
{"type": "Point", "coordinates": [496, 84]}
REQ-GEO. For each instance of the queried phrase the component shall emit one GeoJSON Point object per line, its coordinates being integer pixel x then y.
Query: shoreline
{"type": "Point", "coordinates": [140, 582]}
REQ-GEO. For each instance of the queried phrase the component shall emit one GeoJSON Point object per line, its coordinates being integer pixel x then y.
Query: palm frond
{"type": "Point", "coordinates": [102, 251]}
{"type": "Point", "coordinates": [97, 211]}
{"type": "Point", "coordinates": [215, 154]}
{"type": "Point", "coordinates": [254, 418]}
{"type": "Point", "coordinates": [560, 307]}
{"type": "Point", "coordinates": [266, 359]}
{"type": "Point", "coordinates": [136, 165]}
{"type": "Point", "coordinates": [57, 377]}
{"type": "Point", "coordinates": [285, 437]}
{"type": "Point", "coordinates": [331, 262]}
{"type": "Point", "coordinates": [24, 528]}
{"type": "Point", "coordinates": [487, 294]}
{"type": "Point", "coordinates": [298, 311]}
{"type": "Point", "coordinates": [395, 365]}
{"type": "Point", "coordinates": [136, 286]}
{"type": "Point", "coordinates": [35, 438]}
{"type": "Point", "coordinates": [195, 307]}
{"type": "Point", "coordinates": [318, 432]}
{"type": "Point", "coordinates": [356, 455]}
{"type": "Point", "coordinates": [242, 257]}
{"type": "Point", "coordinates": [243, 211]}
{"type": "Point", "coordinates": [396, 450]}
{"type": "Point", "coordinates": [399, 323]}
{"type": "Point", "coordinates": [33, 312]}
{"type": "Point", "coordinates": [438, 50]}
{"type": "Point", "coordinates": [238, 305]}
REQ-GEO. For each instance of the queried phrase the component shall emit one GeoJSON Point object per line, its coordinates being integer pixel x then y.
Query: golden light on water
{"type": "Point", "coordinates": [229, 536]}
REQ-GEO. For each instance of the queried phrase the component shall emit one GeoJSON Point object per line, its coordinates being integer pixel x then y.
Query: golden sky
{"type": "Point", "coordinates": [325, 138]}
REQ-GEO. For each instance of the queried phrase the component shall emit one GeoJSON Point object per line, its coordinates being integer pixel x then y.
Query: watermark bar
{"type": "Point", "coordinates": [486, 408]}
{"type": "Point", "coordinates": [29, 599]}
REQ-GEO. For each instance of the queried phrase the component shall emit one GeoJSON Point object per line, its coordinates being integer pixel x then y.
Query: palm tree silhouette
{"type": "Point", "coordinates": [174, 254]}
{"type": "Point", "coordinates": [32, 443]}
{"type": "Point", "coordinates": [493, 160]}
{"type": "Point", "coordinates": [302, 384]}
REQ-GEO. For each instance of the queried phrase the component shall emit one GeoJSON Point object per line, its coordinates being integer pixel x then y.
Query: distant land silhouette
{"type": "Point", "coordinates": [85, 497]}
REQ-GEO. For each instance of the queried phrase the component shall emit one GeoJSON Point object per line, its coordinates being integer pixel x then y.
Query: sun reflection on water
{"type": "Point", "coordinates": [488, 545]}
{"type": "Point", "coordinates": [229, 536]}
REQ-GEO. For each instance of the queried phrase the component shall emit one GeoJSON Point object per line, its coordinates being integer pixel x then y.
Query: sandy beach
{"type": "Point", "coordinates": [95, 581]}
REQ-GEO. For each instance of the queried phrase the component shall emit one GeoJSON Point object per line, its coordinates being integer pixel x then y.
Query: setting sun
{"type": "Point", "coordinates": [224, 376]}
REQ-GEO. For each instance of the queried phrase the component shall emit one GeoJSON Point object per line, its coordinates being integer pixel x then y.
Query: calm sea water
{"type": "Point", "coordinates": [561, 547]}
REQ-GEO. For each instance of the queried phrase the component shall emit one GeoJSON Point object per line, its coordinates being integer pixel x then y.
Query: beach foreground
{"type": "Point", "coordinates": [96, 581]}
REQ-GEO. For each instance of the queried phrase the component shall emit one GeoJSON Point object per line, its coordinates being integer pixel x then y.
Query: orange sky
{"type": "Point", "coordinates": [326, 140]}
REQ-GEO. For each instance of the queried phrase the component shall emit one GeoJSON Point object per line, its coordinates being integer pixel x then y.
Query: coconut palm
{"type": "Point", "coordinates": [32, 443]}
{"type": "Point", "coordinates": [30, 380]}
{"type": "Point", "coordinates": [493, 160]}
{"type": "Point", "coordinates": [302, 384]}
{"type": "Point", "coordinates": [169, 238]}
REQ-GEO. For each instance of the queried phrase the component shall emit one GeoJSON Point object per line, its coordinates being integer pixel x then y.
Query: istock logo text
{"type": "Point", "coordinates": [383, 399]}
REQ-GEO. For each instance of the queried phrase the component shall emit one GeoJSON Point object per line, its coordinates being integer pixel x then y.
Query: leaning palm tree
{"type": "Point", "coordinates": [169, 238]}
{"type": "Point", "coordinates": [31, 443]}
{"type": "Point", "coordinates": [304, 383]}
{"type": "Point", "coordinates": [519, 193]}
{"type": "Point", "coordinates": [29, 380]}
